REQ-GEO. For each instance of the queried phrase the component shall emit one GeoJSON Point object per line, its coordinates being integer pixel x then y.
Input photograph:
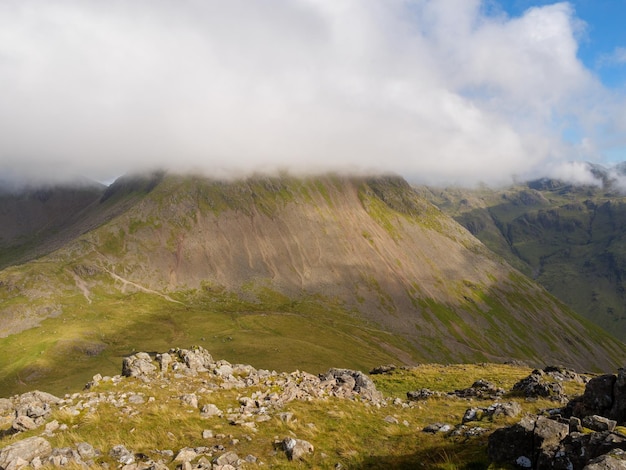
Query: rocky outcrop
{"type": "Point", "coordinates": [262, 396]}
{"type": "Point", "coordinates": [547, 383]}
{"type": "Point", "coordinates": [586, 434]}
{"type": "Point", "coordinates": [604, 396]}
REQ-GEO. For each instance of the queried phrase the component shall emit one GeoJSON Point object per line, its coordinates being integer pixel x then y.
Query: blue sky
{"type": "Point", "coordinates": [438, 91]}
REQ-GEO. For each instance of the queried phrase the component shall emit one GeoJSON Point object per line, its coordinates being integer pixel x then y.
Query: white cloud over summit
{"type": "Point", "coordinates": [435, 90]}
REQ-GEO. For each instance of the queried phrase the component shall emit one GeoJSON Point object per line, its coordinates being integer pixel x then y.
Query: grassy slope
{"type": "Point", "coordinates": [437, 314]}
{"type": "Point", "coordinates": [571, 240]}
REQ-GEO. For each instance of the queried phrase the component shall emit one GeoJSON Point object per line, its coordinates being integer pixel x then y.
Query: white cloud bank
{"type": "Point", "coordinates": [435, 90]}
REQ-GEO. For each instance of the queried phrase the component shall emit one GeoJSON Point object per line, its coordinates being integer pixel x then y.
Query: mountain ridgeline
{"type": "Point", "coordinates": [295, 272]}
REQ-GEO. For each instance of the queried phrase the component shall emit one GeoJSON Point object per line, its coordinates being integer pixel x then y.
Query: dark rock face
{"type": "Point", "coordinates": [532, 440]}
{"type": "Point", "coordinates": [604, 396]}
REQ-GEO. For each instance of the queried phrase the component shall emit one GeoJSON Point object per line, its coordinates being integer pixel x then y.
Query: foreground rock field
{"type": "Point", "coordinates": [184, 409]}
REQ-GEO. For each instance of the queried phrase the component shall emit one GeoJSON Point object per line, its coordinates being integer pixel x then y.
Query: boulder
{"type": "Point", "coordinates": [614, 460]}
{"type": "Point", "coordinates": [228, 458]}
{"type": "Point", "coordinates": [138, 365]}
{"type": "Point", "coordinates": [497, 410]}
{"type": "Point", "coordinates": [23, 452]}
{"type": "Point", "coordinates": [210, 410]}
{"type": "Point", "coordinates": [539, 385]}
{"type": "Point", "coordinates": [598, 423]}
{"type": "Point", "coordinates": [23, 423]}
{"type": "Point", "coordinates": [421, 394]}
{"type": "Point", "coordinates": [349, 382]}
{"type": "Point", "coordinates": [580, 449]}
{"type": "Point", "coordinates": [534, 439]}
{"type": "Point", "coordinates": [618, 407]}
{"type": "Point", "coordinates": [122, 455]}
{"type": "Point", "coordinates": [296, 449]}
{"type": "Point", "coordinates": [384, 369]}
{"type": "Point", "coordinates": [164, 360]}
{"type": "Point", "coordinates": [596, 400]}
{"type": "Point", "coordinates": [480, 389]}
{"type": "Point", "coordinates": [197, 359]}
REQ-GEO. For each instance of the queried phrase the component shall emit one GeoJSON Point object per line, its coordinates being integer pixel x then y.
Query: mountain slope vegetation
{"type": "Point", "coordinates": [293, 272]}
{"type": "Point", "coordinates": [571, 239]}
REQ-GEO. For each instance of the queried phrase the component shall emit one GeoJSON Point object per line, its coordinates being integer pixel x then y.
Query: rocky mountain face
{"type": "Point", "coordinates": [281, 268]}
{"type": "Point", "coordinates": [570, 239]}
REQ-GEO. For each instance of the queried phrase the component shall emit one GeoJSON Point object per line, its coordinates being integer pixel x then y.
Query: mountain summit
{"type": "Point", "coordinates": [357, 269]}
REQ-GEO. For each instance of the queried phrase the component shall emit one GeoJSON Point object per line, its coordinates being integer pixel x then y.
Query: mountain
{"type": "Point", "coordinates": [293, 272]}
{"type": "Point", "coordinates": [35, 221]}
{"type": "Point", "coordinates": [569, 238]}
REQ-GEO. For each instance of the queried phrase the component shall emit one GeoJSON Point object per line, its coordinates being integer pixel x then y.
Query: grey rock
{"type": "Point", "coordinates": [614, 460]}
{"type": "Point", "coordinates": [598, 423]}
{"type": "Point", "coordinates": [122, 455]}
{"type": "Point", "coordinates": [618, 407]}
{"type": "Point", "coordinates": [138, 365]}
{"type": "Point", "coordinates": [421, 394]}
{"type": "Point", "coordinates": [538, 384]}
{"type": "Point", "coordinates": [197, 359]}
{"type": "Point", "coordinates": [186, 454]}
{"type": "Point", "coordinates": [353, 382]}
{"type": "Point", "coordinates": [437, 427]}
{"type": "Point", "coordinates": [5, 405]}
{"type": "Point", "coordinates": [23, 452]}
{"type": "Point", "coordinates": [575, 425]}
{"type": "Point", "coordinates": [384, 369]}
{"type": "Point", "coordinates": [534, 437]}
{"type": "Point", "coordinates": [164, 360]}
{"type": "Point", "coordinates": [480, 389]}
{"type": "Point", "coordinates": [297, 449]}
{"type": "Point", "coordinates": [210, 410]}
{"type": "Point", "coordinates": [190, 400]}
{"type": "Point", "coordinates": [391, 420]}
{"type": "Point", "coordinates": [23, 423]}
{"type": "Point", "coordinates": [228, 458]}
{"type": "Point", "coordinates": [86, 451]}
{"type": "Point", "coordinates": [38, 397]}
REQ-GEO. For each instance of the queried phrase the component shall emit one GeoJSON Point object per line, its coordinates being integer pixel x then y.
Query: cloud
{"type": "Point", "coordinates": [618, 56]}
{"type": "Point", "coordinates": [436, 90]}
{"type": "Point", "coordinates": [579, 173]}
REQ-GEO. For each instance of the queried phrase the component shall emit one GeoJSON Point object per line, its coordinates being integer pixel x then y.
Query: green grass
{"type": "Point", "coordinates": [310, 333]}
